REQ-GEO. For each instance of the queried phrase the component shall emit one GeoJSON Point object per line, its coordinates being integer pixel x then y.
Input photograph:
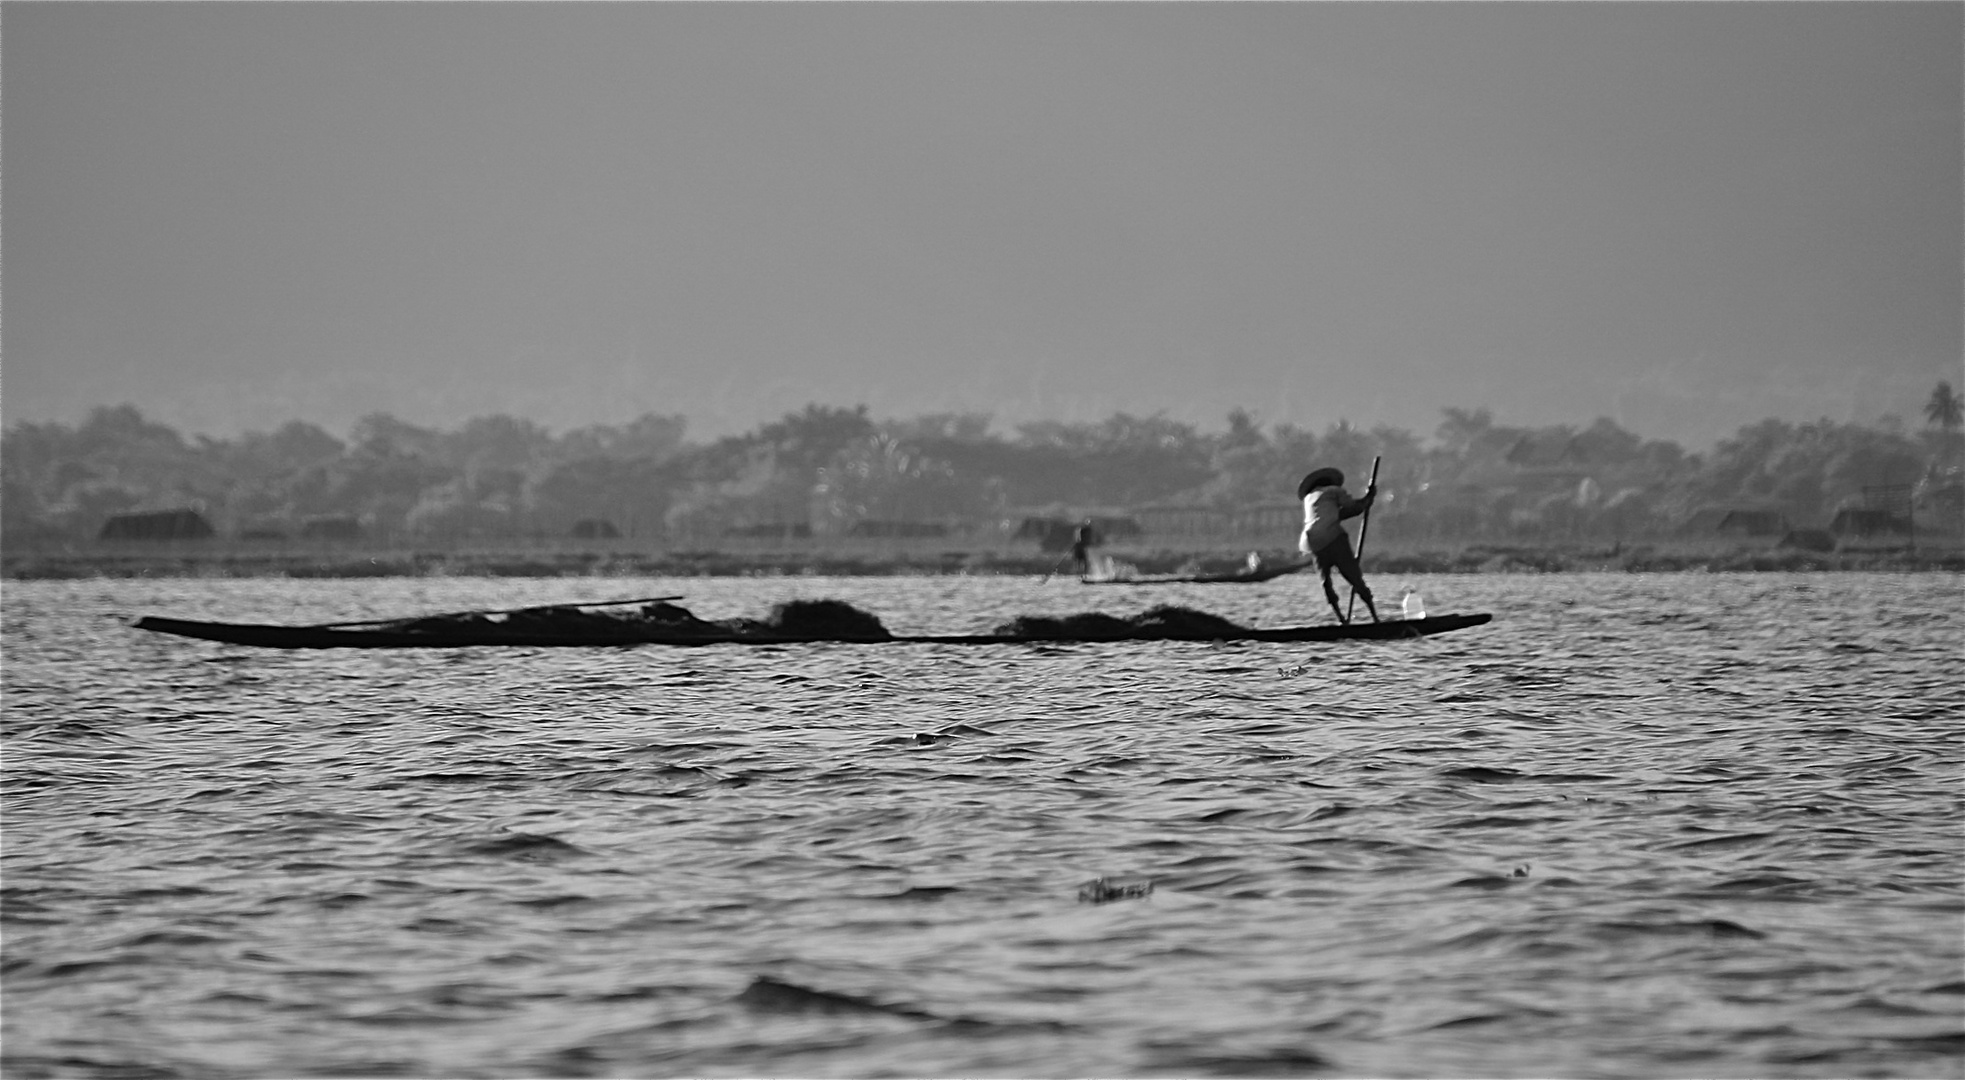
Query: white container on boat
{"type": "Point", "coordinates": [1413, 607]}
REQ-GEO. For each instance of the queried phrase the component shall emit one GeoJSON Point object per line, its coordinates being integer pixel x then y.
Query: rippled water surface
{"type": "Point", "coordinates": [1639, 826]}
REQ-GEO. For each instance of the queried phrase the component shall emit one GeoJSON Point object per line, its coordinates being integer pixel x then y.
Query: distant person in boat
{"type": "Point", "coordinates": [1081, 549]}
{"type": "Point", "coordinates": [1080, 555]}
{"type": "Point", "coordinates": [1325, 506]}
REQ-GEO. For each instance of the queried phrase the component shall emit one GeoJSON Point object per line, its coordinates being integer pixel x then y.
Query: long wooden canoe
{"type": "Point", "coordinates": [1230, 577]}
{"type": "Point", "coordinates": [604, 631]}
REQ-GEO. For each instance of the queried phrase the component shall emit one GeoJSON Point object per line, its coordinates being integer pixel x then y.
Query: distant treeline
{"type": "Point", "coordinates": [832, 471]}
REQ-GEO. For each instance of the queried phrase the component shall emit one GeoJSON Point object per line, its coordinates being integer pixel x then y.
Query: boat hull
{"type": "Point", "coordinates": [260, 635]}
{"type": "Point", "coordinates": [1235, 577]}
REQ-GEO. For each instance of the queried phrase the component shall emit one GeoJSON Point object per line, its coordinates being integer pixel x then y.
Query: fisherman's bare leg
{"type": "Point", "coordinates": [1347, 564]}
{"type": "Point", "coordinates": [1356, 578]}
{"type": "Point", "coordinates": [1330, 593]}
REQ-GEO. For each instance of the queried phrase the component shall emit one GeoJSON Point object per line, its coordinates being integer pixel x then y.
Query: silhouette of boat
{"type": "Point", "coordinates": [1227, 577]}
{"type": "Point", "coordinates": [798, 622]}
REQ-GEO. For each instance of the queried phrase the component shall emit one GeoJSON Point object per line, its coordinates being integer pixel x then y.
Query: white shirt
{"type": "Point", "coordinates": [1323, 510]}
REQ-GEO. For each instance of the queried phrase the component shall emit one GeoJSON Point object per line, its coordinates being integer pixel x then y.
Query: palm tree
{"type": "Point", "coordinates": [1945, 408]}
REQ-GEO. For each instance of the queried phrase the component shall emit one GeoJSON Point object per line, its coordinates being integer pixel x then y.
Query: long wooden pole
{"type": "Point", "coordinates": [1048, 574]}
{"type": "Point", "coordinates": [1364, 528]}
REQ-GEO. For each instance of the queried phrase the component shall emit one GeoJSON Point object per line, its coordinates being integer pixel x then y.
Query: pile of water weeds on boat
{"type": "Point", "coordinates": [795, 618]}
{"type": "Point", "coordinates": [1165, 619]}
{"type": "Point", "coordinates": [823, 619]}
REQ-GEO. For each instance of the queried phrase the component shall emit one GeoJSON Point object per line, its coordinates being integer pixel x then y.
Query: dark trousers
{"type": "Point", "coordinates": [1337, 555]}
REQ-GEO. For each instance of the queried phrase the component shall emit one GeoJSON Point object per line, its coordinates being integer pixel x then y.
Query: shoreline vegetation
{"type": "Point", "coordinates": [220, 559]}
{"type": "Point", "coordinates": [831, 489]}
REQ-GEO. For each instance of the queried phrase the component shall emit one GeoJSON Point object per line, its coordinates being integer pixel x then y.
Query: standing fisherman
{"type": "Point", "coordinates": [1081, 548]}
{"type": "Point", "coordinates": [1325, 506]}
{"type": "Point", "coordinates": [1080, 555]}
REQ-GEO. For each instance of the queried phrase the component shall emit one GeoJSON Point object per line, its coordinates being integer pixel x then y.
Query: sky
{"type": "Point", "coordinates": [1684, 217]}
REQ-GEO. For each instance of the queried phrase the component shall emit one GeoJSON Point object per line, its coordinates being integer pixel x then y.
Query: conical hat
{"type": "Point", "coordinates": [1319, 478]}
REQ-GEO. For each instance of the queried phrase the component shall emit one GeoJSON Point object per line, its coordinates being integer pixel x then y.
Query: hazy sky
{"type": "Point", "coordinates": [1687, 217]}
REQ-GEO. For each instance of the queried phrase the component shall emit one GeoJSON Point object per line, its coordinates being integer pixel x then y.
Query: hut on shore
{"type": "Point", "coordinates": [1738, 521]}
{"type": "Point", "coordinates": [1809, 540]}
{"type": "Point", "coordinates": [1864, 521]}
{"type": "Point", "coordinates": [157, 525]}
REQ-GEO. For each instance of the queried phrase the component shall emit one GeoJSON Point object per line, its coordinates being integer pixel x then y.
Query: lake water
{"type": "Point", "coordinates": [1639, 826]}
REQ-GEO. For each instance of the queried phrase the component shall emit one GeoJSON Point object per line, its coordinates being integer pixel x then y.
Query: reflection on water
{"type": "Point", "coordinates": [1638, 826]}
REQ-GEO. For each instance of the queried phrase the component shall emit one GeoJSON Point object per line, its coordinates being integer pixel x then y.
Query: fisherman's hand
{"type": "Point", "coordinates": [1371, 492]}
